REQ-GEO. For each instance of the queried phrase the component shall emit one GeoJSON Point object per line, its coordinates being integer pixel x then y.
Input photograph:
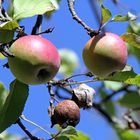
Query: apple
{"type": "Point", "coordinates": [36, 60]}
{"type": "Point", "coordinates": [105, 54]}
{"type": "Point", "coordinates": [66, 113]}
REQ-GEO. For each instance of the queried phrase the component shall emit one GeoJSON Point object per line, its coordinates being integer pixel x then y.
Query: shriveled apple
{"type": "Point", "coordinates": [66, 113]}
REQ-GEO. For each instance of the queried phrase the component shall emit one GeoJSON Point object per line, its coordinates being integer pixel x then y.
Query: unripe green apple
{"type": "Point", "coordinates": [36, 59]}
{"type": "Point", "coordinates": [104, 54]}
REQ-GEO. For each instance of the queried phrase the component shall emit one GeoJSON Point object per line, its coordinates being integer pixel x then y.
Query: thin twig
{"type": "Point", "coordinates": [89, 74]}
{"type": "Point", "coordinates": [113, 94]}
{"type": "Point", "coordinates": [69, 83]}
{"type": "Point", "coordinates": [41, 128]}
{"type": "Point", "coordinates": [90, 31]}
{"type": "Point", "coordinates": [50, 30]}
{"type": "Point", "coordinates": [25, 130]}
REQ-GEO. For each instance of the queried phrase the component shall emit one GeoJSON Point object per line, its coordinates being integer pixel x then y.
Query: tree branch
{"type": "Point", "coordinates": [93, 4]}
{"type": "Point", "coordinates": [103, 113]}
{"type": "Point", "coordinates": [113, 94]}
{"type": "Point", "coordinates": [90, 31]}
{"type": "Point", "coordinates": [37, 25]}
{"type": "Point", "coordinates": [25, 130]}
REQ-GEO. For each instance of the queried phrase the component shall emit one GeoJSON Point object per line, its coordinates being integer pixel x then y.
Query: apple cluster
{"type": "Point", "coordinates": [36, 61]}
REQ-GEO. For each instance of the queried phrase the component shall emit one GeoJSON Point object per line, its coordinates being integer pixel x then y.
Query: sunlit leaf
{"type": "Point", "coordinates": [69, 131]}
{"type": "Point", "coordinates": [29, 8]}
{"type": "Point", "coordinates": [127, 76]}
{"type": "Point", "coordinates": [132, 39]}
{"type": "Point", "coordinates": [56, 4]}
{"type": "Point", "coordinates": [125, 134]}
{"type": "Point", "coordinates": [10, 25]}
{"type": "Point", "coordinates": [79, 136]}
{"type": "Point", "coordinates": [6, 136]}
{"type": "Point", "coordinates": [127, 17]}
{"type": "Point", "coordinates": [134, 27]}
{"type": "Point", "coordinates": [14, 104]}
{"type": "Point", "coordinates": [106, 14]}
{"type": "Point", "coordinates": [112, 85]}
{"type": "Point", "coordinates": [2, 56]}
{"type": "Point", "coordinates": [120, 18]}
{"type": "Point", "coordinates": [130, 99]}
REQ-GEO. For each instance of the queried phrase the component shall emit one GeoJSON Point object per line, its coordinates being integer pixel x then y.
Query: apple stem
{"type": "Point", "coordinates": [90, 31]}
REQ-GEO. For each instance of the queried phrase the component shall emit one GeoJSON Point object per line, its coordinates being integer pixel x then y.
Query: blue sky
{"type": "Point", "coordinates": [69, 34]}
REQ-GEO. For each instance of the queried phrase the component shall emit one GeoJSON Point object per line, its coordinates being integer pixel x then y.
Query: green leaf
{"type": "Point", "coordinates": [6, 36]}
{"type": "Point", "coordinates": [79, 136]}
{"type": "Point", "coordinates": [69, 62]}
{"type": "Point", "coordinates": [3, 95]}
{"type": "Point", "coordinates": [29, 8]}
{"type": "Point", "coordinates": [69, 130]}
{"type": "Point", "coordinates": [127, 17]}
{"type": "Point", "coordinates": [106, 14]}
{"type": "Point", "coordinates": [125, 134]}
{"type": "Point", "coordinates": [113, 85]}
{"type": "Point", "coordinates": [14, 104]}
{"type": "Point", "coordinates": [130, 99]}
{"type": "Point", "coordinates": [132, 39]}
{"type": "Point", "coordinates": [120, 18]}
{"type": "Point", "coordinates": [6, 136]}
{"type": "Point", "coordinates": [2, 56]}
{"type": "Point", "coordinates": [56, 4]}
{"type": "Point", "coordinates": [10, 25]}
{"type": "Point", "coordinates": [7, 31]}
{"type": "Point", "coordinates": [134, 27]}
{"type": "Point", "coordinates": [127, 76]}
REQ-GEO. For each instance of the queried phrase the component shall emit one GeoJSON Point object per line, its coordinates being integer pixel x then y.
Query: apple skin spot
{"type": "Point", "coordinates": [104, 54]}
{"type": "Point", "coordinates": [36, 60]}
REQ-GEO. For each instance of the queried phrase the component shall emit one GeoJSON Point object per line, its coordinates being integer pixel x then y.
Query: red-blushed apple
{"type": "Point", "coordinates": [36, 60]}
{"type": "Point", "coordinates": [105, 54]}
